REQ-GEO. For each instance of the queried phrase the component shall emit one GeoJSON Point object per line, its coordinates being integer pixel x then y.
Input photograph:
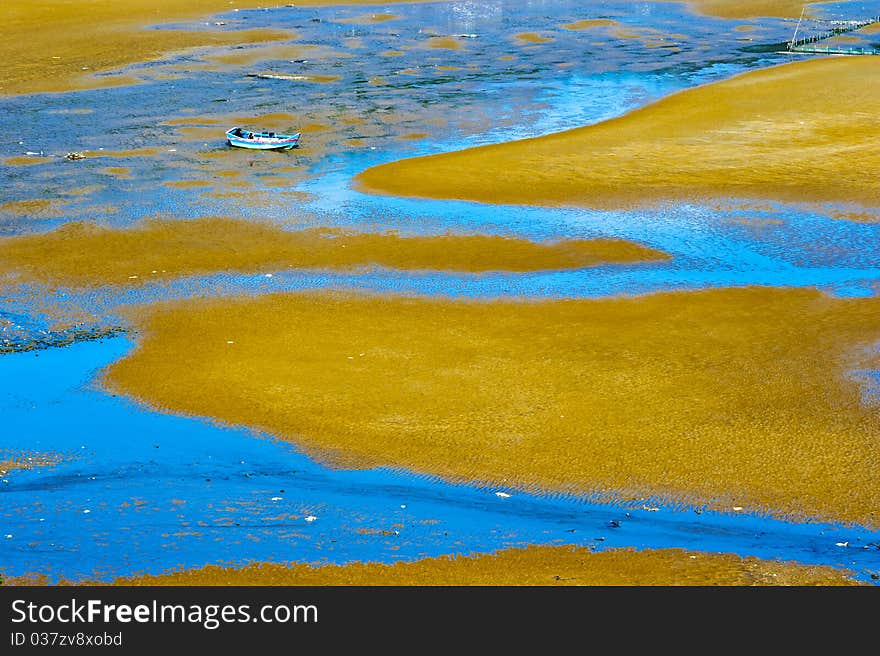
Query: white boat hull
{"type": "Point", "coordinates": [260, 142]}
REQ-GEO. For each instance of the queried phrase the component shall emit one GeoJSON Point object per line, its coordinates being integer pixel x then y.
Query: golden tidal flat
{"type": "Point", "coordinates": [739, 399]}
{"type": "Point", "coordinates": [804, 131]}
{"type": "Point", "coordinates": [752, 8]}
{"type": "Point", "coordinates": [68, 40]}
{"type": "Point", "coordinates": [85, 254]}
{"type": "Point", "coordinates": [536, 565]}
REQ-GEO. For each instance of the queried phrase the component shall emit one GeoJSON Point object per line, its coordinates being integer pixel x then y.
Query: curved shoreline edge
{"type": "Point", "coordinates": [727, 398]}
{"type": "Point", "coordinates": [797, 132]}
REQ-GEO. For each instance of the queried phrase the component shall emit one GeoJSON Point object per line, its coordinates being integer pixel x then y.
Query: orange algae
{"type": "Point", "coordinates": [727, 139]}
{"type": "Point", "coordinates": [590, 23]}
{"type": "Point", "coordinates": [86, 254]}
{"type": "Point", "coordinates": [444, 43]}
{"type": "Point", "coordinates": [369, 19]}
{"type": "Point", "coordinates": [11, 462]}
{"type": "Point", "coordinates": [534, 565]}
{"type": "Point", "coordinates": [729, 398]}
{"type": "Point", "coordinates": [25, 160]}
{"type": "Point", "coordinates": [32, 207]}
{"type": "Point", "coordinates": [69, 41]}
{"type": "Point", "coordinates": [117, 171]}
{"type": "Point", "coordinates": [532, 37]}
{"type": "Point", "coordinates": [121, 154]}
{"type": "Point", "coordinates": [751, 8]}
{"type": "Point", "coordinates": [186, 184]}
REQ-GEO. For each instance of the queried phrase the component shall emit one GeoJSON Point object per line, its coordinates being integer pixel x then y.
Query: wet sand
{"type": "Point", "coordinates": [768, 134]}
{"type": "Point", "coordinates": [736, 398]}
{"type": "Point", "coordinates": [561, 565]}
{"type": "Point", "coordinates": [10, 463]}
{"type": "Point", "coordinates": [85, 254]}
{"type": "Point", "coordinates": [752, 8]}
{"type": "Point", "coordinates": [77, 39]}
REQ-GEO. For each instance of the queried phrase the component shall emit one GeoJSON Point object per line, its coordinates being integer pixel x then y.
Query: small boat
{"type": "Point", "coordinates": [242, 138]}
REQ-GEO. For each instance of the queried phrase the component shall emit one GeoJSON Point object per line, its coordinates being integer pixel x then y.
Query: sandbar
{"type": "Point", "coordinates": [85, 254]}
{"type": "Point", "coordinates": [801, 132]}
{"type": "Point", "coordinates": [744, 400]}
{"type": "Point", "coordinates": [535, 565]}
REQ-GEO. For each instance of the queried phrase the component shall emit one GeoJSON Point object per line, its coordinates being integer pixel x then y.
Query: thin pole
{"type": "Point", "coordinates": [796, 28]}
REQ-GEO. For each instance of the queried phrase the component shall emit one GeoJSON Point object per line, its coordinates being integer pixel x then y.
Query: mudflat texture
{"type": "Point", "coordinates": [732, 398]}
{"type": "Point", "coordinates": [530, 566]}
{"type": "Point", "coordinates": [85, 254]}
{"type": "Point", "coordinates": [804, 131]}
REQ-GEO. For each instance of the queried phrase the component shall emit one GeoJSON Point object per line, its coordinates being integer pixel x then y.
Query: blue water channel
{"type": "Point", "coordinates": [142, 492]}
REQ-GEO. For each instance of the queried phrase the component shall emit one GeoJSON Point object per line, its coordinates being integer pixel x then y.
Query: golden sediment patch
{"type": "Point", "coordinates": [857, 216]}
{"type": "Point", "coordinates": [101, 35]}
{"type": "Point", "coordinates": [193, 120]}
{"type": "Point", "coordinates": [801, 132]}
{"type": "Point", "coordinates": [750, 8]}
{"type": "Point", "coordinates": [845, 39]}
{"type": "Point", "coordinates": [368, 19]}
{"type": "Point", "coordinates": [259, 53]}
{"type": "Point", "coordinates": [26, 160]}
{"type": "Point", "coordinates": [117, 171]}
{"type": "Point", "coordinates": [323, 79]}
{"type": "Point", "coordinates": [534, 565]}
{"type": "Point", "coordinates": [649, 37]}
{"type": "Point", "coordinates": [36, 207]}
{"type": "Point", "coordinates": [729, 398]}
{"type": "Point", "coordinates": [532, 37]}
{"type": "Point", "coordinates": [18, 461]}
{"type": "Point", "coordinates": [590, 24]}
{"type": "Point", "coordinates": [134, 152]}
{"type": "Point", "coordinates": [413, 136]}
{"type": "Point", "coordinates": [391, 53]}
{"type": "Point", "coordinates": [85, 254]}
{"type": "Point", "coordinates": [68, 42]}
{"type": "Point", "coordinates": [83, 191]}
{"type": "Point", "coordinates": [874, 28]}
{"type": "Point", "coordinates": [186, 184]}
{"type": "Point", "coordinates": [443, 43]}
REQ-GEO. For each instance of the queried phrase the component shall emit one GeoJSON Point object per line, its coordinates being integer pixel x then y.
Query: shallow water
{"type": "Point", "coordinates": [165, 491]}
{"type": "Point", "coordinates": [146, 492]}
